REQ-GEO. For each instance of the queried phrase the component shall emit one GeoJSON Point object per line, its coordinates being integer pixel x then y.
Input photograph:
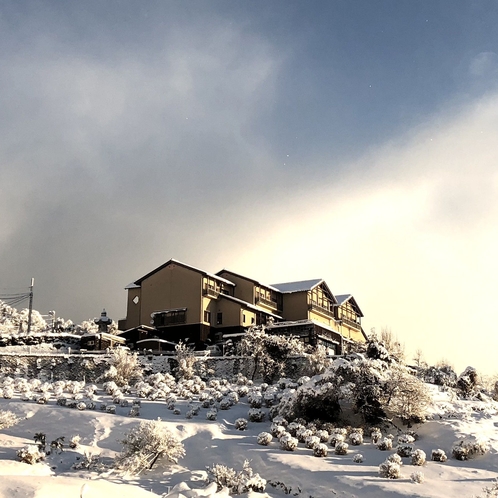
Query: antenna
{"type": "Point", "coordinates": [30, 304]}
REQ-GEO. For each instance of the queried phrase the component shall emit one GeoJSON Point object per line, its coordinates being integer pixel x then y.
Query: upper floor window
{"type": "Point", "coordinates": [169, 317]}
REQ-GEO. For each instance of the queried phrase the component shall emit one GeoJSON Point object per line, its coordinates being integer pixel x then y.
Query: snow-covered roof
{"type": "Point", "coordinates": [155, 339]}
{"type": "Point", "coordinates": [104, 335]}
{"type": "Point", "coordinates": [248, 279]}
{"type": "Point", "coordinates": [302, 285]}
{"type": "Point", "coordinates": [137, 283]}
{"type": "Point", "coordinates": [250, 306]}
{"type": "Point", "coordinates": [342, 298]}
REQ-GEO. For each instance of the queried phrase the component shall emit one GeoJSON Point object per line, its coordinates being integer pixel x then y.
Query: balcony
{"type": "Point", "coordinates": [211, 292]}
{"type": "Point", "coordinates": [267, 302]}
{"type": "Point", "coordinates": [351, 323]}
{"type": "Point", "coordinates": [320, 309]}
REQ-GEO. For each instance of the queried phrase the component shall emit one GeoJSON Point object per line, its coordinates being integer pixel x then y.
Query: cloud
{"type": "Point", "coordinates": [410, 231]}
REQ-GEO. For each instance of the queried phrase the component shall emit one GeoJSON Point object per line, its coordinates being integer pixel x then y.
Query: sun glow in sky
{"type": "Point", "coordinates": [285, 140]}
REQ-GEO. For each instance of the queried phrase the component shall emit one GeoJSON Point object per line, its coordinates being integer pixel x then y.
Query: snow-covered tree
{"type": "Point", "coordinates": [145, 444]}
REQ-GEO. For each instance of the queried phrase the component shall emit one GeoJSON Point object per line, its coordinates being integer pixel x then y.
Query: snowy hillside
{"type": "Point", "coordinates": [67, 409]}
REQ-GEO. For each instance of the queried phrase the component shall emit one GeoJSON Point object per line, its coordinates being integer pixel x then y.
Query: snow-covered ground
{"type": "Point", "coordinates": [219, 442]}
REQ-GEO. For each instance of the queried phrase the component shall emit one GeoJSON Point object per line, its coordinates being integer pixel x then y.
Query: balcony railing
{"type": "Point", "coordinates": [267, 302]}
{"type": "Point", "coordinates": [351, 323]}
{"type": "Point", "coordinates": [322, 310]}
{"type": "Point", "coordinates": [209, 291]}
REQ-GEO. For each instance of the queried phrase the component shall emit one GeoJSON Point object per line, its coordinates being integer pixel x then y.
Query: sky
{"type": "Point", "coordinates": [284, 140]}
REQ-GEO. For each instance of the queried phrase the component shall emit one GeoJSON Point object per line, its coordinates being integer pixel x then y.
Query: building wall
{"type": "Point", "coordinates": [132, 310]}
{"type": "Point", "coordinates": [295, 306]}
{"type": "Point", "coordinates": [172, 287]}
{"type": "Point", "coordinates": [244, 288]}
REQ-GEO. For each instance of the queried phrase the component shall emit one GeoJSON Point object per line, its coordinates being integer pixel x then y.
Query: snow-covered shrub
{"type": "Point", "coordinates": [81, 406]}
{"type": "Point", "coordinates": [471, 447]}
{"type": "Point", "coordinates": [134, 411]}
{"type": "Point", "coordinates": [336, 439]}
{"type": "Point", "coordinates": [288, 443]}
{"type": "Point", "coordinates": [358, 458]}
{"type": "Point", "coordinates": [341, 448]}
{"type": "Point", "coordinates": [177, 411]}
{"type": "Point", "coordinates": [237, 482]}
{"type": "Point", "coordinates": [467, 382]}
{"type": "Point", "coordinates": [385, 444]}
{"type": "Point", "coordinates": [264, 438]}
{"type": "Point", "coordinates": [390, 470]}
{"type": "Point", "coordinates": [233, 397]}
{"type": "Point", "coordinates": [241, 424]}
{"type": "Point", "coordinates": [8, 392]}
{"type": "Point", "coordinates": [110, 409]}
{"type": "Point", "coordinates": [144, 444]}
{"type": "Point", "coordinates": [30, 454]}
{"type": "Point", "coordinates": [225, 404]}
{"type": "Point", "coordinates": [62, 401]}
{"type": "Point", "coordinates": [404, 450]}
{"type": "Point", "coordinates": [7, 419]}
{"type": "Point", "coordinates": [256, 415]}
{"type": "Point", "coordinates": [110, 387]}
{"type": "Point", "coordinates": [255, 401]}
{"type": "Point", "coordinates": [323, 435]}
{"type": "Point", "coordinates": [406, 439]}
{"type": "Point", "coordinates": [242, 391]}
{"type": "Point", "coordinates": [417, 477]}
{"type": "Point", "coordinates": [277, 430]}
{"type": "Point", "coordinates": [356, 438]}
{"type": "Point", "coordinates": [125, 367]}
{"type": "Point", "coordinates": [303, 433]}
{"type": "Point", "coordinates": [211, 415]}
{"type": "Point", "coordinates": [320, 450]}
{"type": "Point", "coordinates": [376, 436]}
{"type": "Point", "coordinates": [89, 462]}
{"type": "Point", "coordinates": [74, 441]}
{"type": "Point", "coordinates": [293, 427]}
{"type": "Point", "coordinates": [270, 352]}
{"type": "Point", "coordinates": [438, 455]}
{"type": "Point", "coordinates": [311, 441]}
{"type": "Point", "coordinates": [185, 362]}
{"type": "Point", "coordinates": [418, 457]}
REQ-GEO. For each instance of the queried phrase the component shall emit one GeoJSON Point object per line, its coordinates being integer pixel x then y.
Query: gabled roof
{"type": "Point", "coordinates": [302, 285]}
{"type": "Point", "coordinates": [137, 283]}
{"type": "Point", "coordinates": [344, 298]}
{"type": "Point", "coordinates": [247, 278]}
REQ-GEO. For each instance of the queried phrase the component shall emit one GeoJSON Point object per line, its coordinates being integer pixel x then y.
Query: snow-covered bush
{"type": "Point", "coordinates": [277, 430]}
{"type": "Point", "coordinates": [341, 448]}
{"type": "Point", "coordinates": [81, 406]}
{"type": "Point", "coordinates": [256, 415]}
{"type": "Point", "coordinates": [356, 438]}
{"type": "Point", "coordinates": [30, 454]}
{"type": "Point", "coordinates": [225, 404]}
{"type": "Point", "coordinates": [358, 458]}
{"type": "Point", "coordinates": [471, 447]}
{"type": "Point", "coordinates": [144, 444]}
{"type": "Point", "coordinates": [390, 470]}
{"type": "Point", "coordinates": [385, 444]}
{"type": "Point", "coordinates": [320, 450]}
{"type": "Point", "coordinates": [8, 419]}
{"type": "Point", "coordinates": [376, 436]}
{"type": "Point", "coordinates": [311, 441]}
{"type": "Point", "coordinates": [185, 362]}
{"type": "Point", "coordinates": [270, 352]}
{"type": "Point", "coordinates": [237, 482]}
{"type": "Point", "coordinates": [264, 438]}
{"type": "Point", "coordinates": [404, 450]}
{"type": "Point", "coordinates": [323, 435]}
{"type": "Point", "coordinates": [467, 382]}
{"type": "Point", "coordinates": [125, 367]}
{"type": "Point", "coordinates": [303, 433]}
{"type": "Point", "coordinates": [134, 411]}
{"type": "Point", "coordinates": [288, 443]}
{"type": "Point", "coordinates": [241, 424]}
{"type": "Point", "coordinates": [211, 415]}
{"type": "Point", "coordinates": [336, 438]}
{"type": "Point", "coordinates": [110, 409]}
{"type": "Point", "coordinates": [74, 441]}
{"type": "Point", "coordinates": [438, 455]}
{"type": "Point", "coordinates": [418, 457]}
{"type": "Point", "coordinates": [417, 477]}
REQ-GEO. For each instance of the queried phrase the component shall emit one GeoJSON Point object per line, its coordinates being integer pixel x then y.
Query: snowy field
{"type": "Point", "coordinates": [209, 442]}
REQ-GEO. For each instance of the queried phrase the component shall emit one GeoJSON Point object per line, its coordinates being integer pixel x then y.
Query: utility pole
{"type": "Point", "coordinates": [30, 304]}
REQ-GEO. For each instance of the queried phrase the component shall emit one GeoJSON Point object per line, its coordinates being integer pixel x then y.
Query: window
{"type": "Point", "coordinates": [219, 318]}
{"type": "Point", "coordinates": [252, 320]}
{"type": "Point", "coordinates": [207, 316]}
{"type": "Point", "coordinates": [170, 317]}
{"type": "Point", "coordinates": [243, 318]}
